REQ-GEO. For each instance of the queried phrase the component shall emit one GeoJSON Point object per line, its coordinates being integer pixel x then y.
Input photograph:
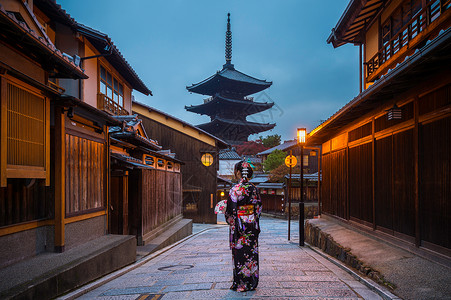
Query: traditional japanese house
{"type": "Point", "coordinates": [28, 63]}
{"type": "Point", "coordinates": [53, 145]}
{"type": "Point", "coordinates": [310, 158]}
{"type": "Point", "coordinates": [198, 150]}
{"type": "Point", "coordinates": [85, 136]}
{"type": "Point", "coordinates": [55, 158]}
{"type": "Point", "coordinates": [387, 153]}
{"type": "Point", "coordinates": [229, 104]}
{"type": "Point", "coordinates": [227, 160]}
{"type": "Point", "coordinates": [146, 183]}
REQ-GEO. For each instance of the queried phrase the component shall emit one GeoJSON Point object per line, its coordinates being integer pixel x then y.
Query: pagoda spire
{"type": "Point", "coordinates": [228, 44]}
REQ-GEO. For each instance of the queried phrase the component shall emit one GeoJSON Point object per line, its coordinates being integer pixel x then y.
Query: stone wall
{"type": "Point", "coordinates": [324, 241]}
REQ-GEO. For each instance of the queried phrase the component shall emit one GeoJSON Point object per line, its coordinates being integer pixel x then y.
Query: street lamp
{"type": "Point", "coordinates": [302, 134]}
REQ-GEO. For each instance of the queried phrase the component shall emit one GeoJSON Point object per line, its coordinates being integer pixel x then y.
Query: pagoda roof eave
{"type": "Point", "coordinates": [249, 106]}
{"type": "Point", "coordinates": [251, 127]}
{"type": "Point", "coordinates": [229, 79]}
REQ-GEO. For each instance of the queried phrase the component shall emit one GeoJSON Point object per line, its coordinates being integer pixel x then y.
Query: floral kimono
{"type": "Point", "coordinates": [242, 214]}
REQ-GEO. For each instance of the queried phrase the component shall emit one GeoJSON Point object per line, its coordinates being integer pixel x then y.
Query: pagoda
{"type": "Point", "coordinates": [229, 104]}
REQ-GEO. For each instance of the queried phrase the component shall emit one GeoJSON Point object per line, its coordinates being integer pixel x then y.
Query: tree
{"type": "Point", "coordinates": [250, 148]}
{"type": "Point", "coordinates": [275, 159]}
{"type": "Point", "coordinates": [271, 140]}
{"type": "Point", "coordinates": [278, 174]}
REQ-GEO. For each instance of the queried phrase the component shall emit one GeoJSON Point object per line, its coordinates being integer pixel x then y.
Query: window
{"type": "Point", "coordinates": [111, 87]}
{"type": "Point", "coordinates": [26, 128]}
{"type": "Point", "coordinates": [400, 17]}
{"type": "Point", "coordinates": [149, 160]}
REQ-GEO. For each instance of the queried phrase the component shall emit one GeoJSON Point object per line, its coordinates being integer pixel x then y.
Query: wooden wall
{"type": "Point", "coordinates": [154, 199]}
{"type": "Point", "coordinates": [85, 174]}
{"type": "Point", "coordinates": [272, 203]}
{"type": "Point", "coordinates": [199, 181]}
{"type": "Point", "coordinates": [24, 200]}
{"type": "Point", "coordinates": [435, 192]}
{"type": "Point", "coordinates": [373, 180]}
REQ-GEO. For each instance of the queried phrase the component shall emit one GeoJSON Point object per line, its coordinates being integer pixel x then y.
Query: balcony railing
{"type": "Point", "coordinates": [108, 105]}
{"type": "Point", "coordinates": [418, 24]}
{"type": "Point", "coordinates": [56, 87]}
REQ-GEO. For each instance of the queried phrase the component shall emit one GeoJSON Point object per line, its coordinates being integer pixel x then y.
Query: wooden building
{"type": "Point", "coordinates": [199, 152]}
{"type": "Point", "coordinates": [387, 153]}
{"type": "Point", "coordinates": [62, 86]}
{"type": "Point", "coordinates": [146, 182]}
{"type": "Point", "coordinates": [310, 158]}
{"type": "Point", "coordinates": [53, 156]}
{"type": "Point", "coordinates": [228, 158]}
{"type": "Point", "coordinates": [108, 93]}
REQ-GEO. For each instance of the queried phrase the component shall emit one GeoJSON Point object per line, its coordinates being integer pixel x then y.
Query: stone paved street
{"type": "Point", "coordinates": [201, 268]}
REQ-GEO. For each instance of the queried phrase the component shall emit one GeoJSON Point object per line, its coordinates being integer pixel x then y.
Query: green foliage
{"type": "Point", "coordinates": [278, 174]}
{"type": "Point", "coordinates": [271, 140]}
{"type": "Point", "coordinates": [275, 159]}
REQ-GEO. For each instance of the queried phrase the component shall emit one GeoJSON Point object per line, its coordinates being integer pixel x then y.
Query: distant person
{"type": "Point", "coordinates": [243, 211]}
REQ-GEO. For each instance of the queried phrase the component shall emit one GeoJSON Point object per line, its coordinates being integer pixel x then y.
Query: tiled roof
{"type": "Point", "coordinates": [249, 126]}
{"type": "Point", "coordinates": [98, 39]}
{"type": "Point", "coordinates": [434, 54]}
{"type": "Point", "coordinates": [129, 131]}
{"type": "Point", "coordinates": [283, 147]}
{"type": "Point", "coordinates": [184, 123]}
{"type": "Point", "coordinates": [41, 44]}
{"type": "Point", "coordinates": [229, 78]}
{"type": "Point", "coordinates": [311, 177]}
{"type": "Point", "coordinates": [217, 103]}
{"type": "Point", "coordinates": [229, 154]}
{"type": "Point", "coordinates": [270, 185]}
{"type": "Point", "coordinates": [259, 178]}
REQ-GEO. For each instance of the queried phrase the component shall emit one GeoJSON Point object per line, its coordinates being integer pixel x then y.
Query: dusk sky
{"type": "Point", "coordinates": [172, 44]}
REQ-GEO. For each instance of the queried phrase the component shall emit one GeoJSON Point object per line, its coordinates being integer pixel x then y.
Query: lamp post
{"type": "Point", "coordinates": [302, 133]}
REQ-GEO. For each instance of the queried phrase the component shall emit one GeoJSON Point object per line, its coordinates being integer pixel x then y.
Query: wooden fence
{"type": "Point", "coordinates": [156, 197]}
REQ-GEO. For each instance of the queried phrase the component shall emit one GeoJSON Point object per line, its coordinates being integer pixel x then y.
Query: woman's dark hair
{"type": "Point", "coordinates": [244, 168]}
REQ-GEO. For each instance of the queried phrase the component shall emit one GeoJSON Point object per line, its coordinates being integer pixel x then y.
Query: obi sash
{"type": "Point", "coordinates": [245, 210]}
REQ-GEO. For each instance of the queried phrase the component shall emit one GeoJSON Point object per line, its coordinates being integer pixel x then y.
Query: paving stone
{"type": "Point", "coordinates": [176, 296]}
{"type": "Point", "coordinates": [132, 291]}
{"type": "Point", "coordinates": [286, 271]}
{"type": "Point", "coordinates": [188, 287]}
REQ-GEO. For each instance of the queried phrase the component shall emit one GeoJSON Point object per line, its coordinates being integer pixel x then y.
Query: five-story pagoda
{"type": "Point", "coordinates": [229, 104]}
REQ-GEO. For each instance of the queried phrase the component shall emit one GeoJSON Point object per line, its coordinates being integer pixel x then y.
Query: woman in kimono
{"type": "Point", "coordinates": [242, 214]}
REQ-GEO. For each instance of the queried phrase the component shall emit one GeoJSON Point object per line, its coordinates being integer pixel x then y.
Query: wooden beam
{"type": "Point", "coordinates": [47, 141]}
{"type": "Point", "coordinates": [416, 156]}
{"type": "Point", "coordinates": [107, 176]}
{"type": "Point", "coordinates": [3, 131]}
{"type": "Point", "coordinates": [373, 170]}
{"type": "Point", "coordinates": [125, 213]}
{"type": "Point", "coordinates": [60, 179]}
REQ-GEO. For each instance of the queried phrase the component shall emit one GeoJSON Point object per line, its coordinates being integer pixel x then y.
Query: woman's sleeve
{"type": "Point", "coordinates": [258, 204]}
{"type": "Point", "coordinates": [228, 214]}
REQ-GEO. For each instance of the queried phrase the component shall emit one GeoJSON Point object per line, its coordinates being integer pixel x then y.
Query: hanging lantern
{"type": "Point", "coordinates": [394, 113]}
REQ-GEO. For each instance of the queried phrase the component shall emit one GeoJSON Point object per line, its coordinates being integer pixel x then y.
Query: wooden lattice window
{"type": "Point", "coordinates": [25, 133]}
{"type": "Point", "coordinates": [85, 175]}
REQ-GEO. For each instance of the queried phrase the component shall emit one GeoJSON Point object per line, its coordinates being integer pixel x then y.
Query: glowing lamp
{"type": "Point", "coordinates": [302, 133]}
{"type": "Point", "coordinates": [207, 159]}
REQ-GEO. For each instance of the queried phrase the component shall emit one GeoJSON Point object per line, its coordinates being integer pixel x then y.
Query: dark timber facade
{"type": "Point", "coordinates": [387, 153]}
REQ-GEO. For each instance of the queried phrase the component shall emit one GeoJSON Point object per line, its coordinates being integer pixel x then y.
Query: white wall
{"type": "Point", "coordinates": [226, 167]}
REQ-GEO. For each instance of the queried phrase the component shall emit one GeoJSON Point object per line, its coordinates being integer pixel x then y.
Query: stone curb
{"type": "Point", "coordinates": [325, 242]}
{"type": "Point", "coordinates": [99, 282]}
{"type": "Point", "coordinates": [385, 294]}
